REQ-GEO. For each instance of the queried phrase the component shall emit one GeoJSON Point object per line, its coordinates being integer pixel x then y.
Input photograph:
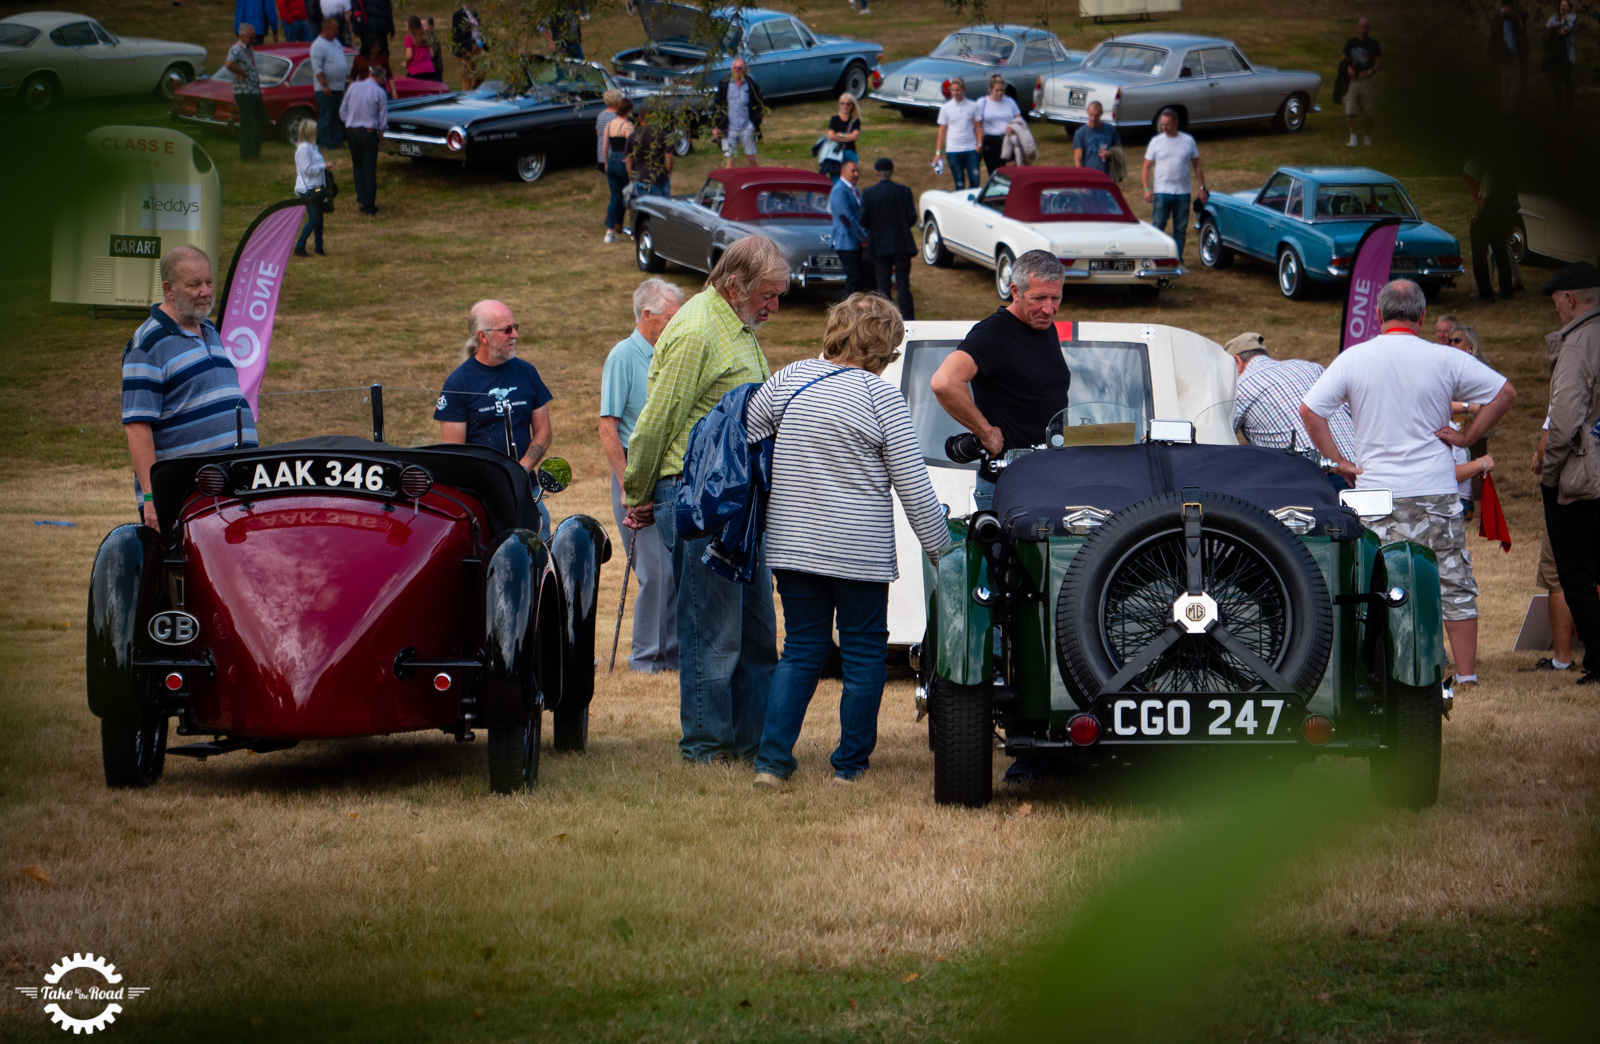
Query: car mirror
{"type": "Point", "coordinates": [555, 475]}
{"type": "Point", "coordinates": [1368, 503]}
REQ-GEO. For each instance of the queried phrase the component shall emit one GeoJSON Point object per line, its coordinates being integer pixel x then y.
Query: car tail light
{"type": "Point", "coordinates": [1318, 730]}
{"type": "Point", "coordinates": [1166, 262]}
{"type": "Point", "coordinates": [1340, 262]}
{"type": "Point", "coordinates": [1067, 262]}
{"type": "Point", "coordinates": [944, 88]}
{"type": "Point", "coordinates": [1084, 729]}
{"type": "Point", "coordinates": [442, 681]}
{"type": "Point", "coordinates": [877, 79]}
{"type": "Point", "coordinates": [455, 139]}
{"type": "Point", "coordinates": [415, 481]}
{"type": "Point", "coordinates": [211, 480]}
{"type": "Point", "coordinates": [1451, 260]}
{"type": "Point", "coordinates": [173, 681]}
{"type": "Point", "coordinates": [1038, 91]}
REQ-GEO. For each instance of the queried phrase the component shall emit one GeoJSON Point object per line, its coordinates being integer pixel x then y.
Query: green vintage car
{"type": "Point", "coordinates": [1121, 601]}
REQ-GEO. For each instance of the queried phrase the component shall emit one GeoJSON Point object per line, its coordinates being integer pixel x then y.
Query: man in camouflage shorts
{"type": "Point", "coordinates": [1437, 522]}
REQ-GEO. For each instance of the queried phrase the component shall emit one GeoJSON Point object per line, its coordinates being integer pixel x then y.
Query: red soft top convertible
{"type": "Point", "coordinates": [1082, 197]}
{"type": "Point", "coordinates": [745, 185]}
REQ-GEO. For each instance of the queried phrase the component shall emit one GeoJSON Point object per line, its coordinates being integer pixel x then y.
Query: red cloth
{"type": "Point", "coordinates": [1491, 518]}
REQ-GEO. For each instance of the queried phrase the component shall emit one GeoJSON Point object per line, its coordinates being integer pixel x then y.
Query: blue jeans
{"type": "Point", "coordinates": [330, 128]}
{"type": "Point", "coordinates": [658, 188]}
{"type": "Point", "coordinates": [617, 176]}
{"type": "Point", "coordinates": [964, 169]}
{"type": "Point", "coordinates": [983, 493]}
{"type": "Point", "coordinates": [727, 646]}
{"type": "Point", "coordinates": [1175, 204]}
{"type": "Point", "coordinates": [313, 224]}
{"type": "Point", "coordinates": [809, 604]}
{"type": "Point", "coordinates": [297, 32]}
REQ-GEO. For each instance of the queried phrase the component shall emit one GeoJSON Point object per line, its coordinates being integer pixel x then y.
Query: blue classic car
{"type": "Point", "coordinates": [785, 57]}
{"type": "Point", "coordinates": [1020, 53]}
{"type": "Point", "coordinates": [1308, 220]}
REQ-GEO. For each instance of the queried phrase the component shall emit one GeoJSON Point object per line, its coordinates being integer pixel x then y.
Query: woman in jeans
{"type": "Point", "coordinates": [995, 113]}
{"type": "Point", "coordinates": [844, 439]}
{"type": "Point", "coordinates": [615, 139]}
{"type": "Point", "coordinates": [310, 172]}
{"type": "Point", "coordinates": [843, 130]}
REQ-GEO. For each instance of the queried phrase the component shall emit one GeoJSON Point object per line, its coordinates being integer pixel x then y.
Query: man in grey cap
{"type": "Point", "coordinates": [1266, 401]}
{"type": "Point", "coordinates": [888, 214]}
{"type": "Point", "coordinates": [1570, 479]}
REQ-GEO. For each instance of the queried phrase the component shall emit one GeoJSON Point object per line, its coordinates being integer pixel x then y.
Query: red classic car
{"type": "Point", "coordinates": [287, 88]}
{"type": "Point", "coordinates": [333, 587]}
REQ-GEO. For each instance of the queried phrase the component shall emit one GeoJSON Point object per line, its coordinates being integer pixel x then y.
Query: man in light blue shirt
{"type": "Point", "coordinates": [330, 68]}
{"type": "Point", "coordinates": [623, 384]}
{"type": "Point", "coordinates": [844, 203]}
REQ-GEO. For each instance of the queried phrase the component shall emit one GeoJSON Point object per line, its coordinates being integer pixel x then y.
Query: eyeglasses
{"type": "Point", "coordinates": [503, 330]}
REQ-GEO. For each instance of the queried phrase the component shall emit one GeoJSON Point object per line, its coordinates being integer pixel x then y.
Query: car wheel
{"type": "Point", "coordinates": [1291, 116]}
{"type": "Point", "coordinates": [1212, 253]}
{"type": "Point", "coordinates": [644, 248]}
{"type": "Point", "coordinates": [571, 728]}
{"type": "Point", "coordinates": [1405, 770]}
{"type": "Point", "coordinates": [514, 753]}
{"type": "Point", "coordinates": [1003, 262]}
{"type": "Point", "coordinates": [1117, 598]}
{"type": "Point", "coordinates": [40, 92]}
{"type": "Point", "coordinates": [855, 80]}
{"type": "Point", "coordinates": [289, 126]}
{"type": "Point", "coordinates": [1517, 245]}
{"type": "Point", "coordinates": [1292, 280]}
{"type": "Point", "coordinates": [530, 168]}
{"type": "Point", "coordinates": [173, 77]}
{"type": "Point", "coordinates": [133, 750]}
{"type": "Point", "coordinates": [963, 744]}
{"type": "Point", "coordinates": [683, 144]}
{"type": "Point", "coordinates": [933, 251]}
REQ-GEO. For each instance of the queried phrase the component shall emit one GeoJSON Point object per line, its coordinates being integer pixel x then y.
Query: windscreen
{"type": "Point", "coordinates": [1133, 58]}
{"type": "Point", "coordinates": [796, 201]}
{"type": "Point", "coordinates": [271, 68]}
{"type": "Point", "coordinates": [1346, 202]}
{"type": "Point", "coordinates": [976, 47]}
{"type": "Point", "coordinates": [1078, 201]}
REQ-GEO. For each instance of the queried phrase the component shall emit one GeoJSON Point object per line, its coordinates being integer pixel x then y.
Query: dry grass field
{"type": "Point", "coordinates": [375, 890]}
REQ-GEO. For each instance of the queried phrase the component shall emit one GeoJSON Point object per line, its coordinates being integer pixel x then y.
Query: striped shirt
{"type": "Point", "coordinates": [703, 354]}
{"type": "Point", "coordinates": [184, 386]}
{"type": "Point", "coordinates": [841, 444]}
{"type": "Point", "coordinates": [1266, 406]}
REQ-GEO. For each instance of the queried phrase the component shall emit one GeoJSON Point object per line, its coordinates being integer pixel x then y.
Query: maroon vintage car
{"type": "Point", "coordinates": [287, 88]}
{"type": "Point", "coordinates": [334, 587]}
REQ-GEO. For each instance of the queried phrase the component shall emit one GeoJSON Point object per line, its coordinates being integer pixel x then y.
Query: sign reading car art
{"type": "Point", "coordinates": [83, 993]}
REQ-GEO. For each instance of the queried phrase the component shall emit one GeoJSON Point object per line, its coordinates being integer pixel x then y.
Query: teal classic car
{"type": "Point", "coordinates": [1306, 221]}
{"type": "Point", "coordinates": [1122, 602]}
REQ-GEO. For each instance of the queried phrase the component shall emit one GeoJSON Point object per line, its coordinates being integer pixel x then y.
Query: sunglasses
{"type": "Point", "coordinates": [503, 330]}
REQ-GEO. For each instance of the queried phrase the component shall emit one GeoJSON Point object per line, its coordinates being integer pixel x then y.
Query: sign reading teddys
{"type": "Point", "coordinates": [144, 191]}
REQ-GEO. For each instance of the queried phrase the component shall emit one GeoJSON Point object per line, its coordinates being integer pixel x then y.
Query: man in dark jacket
{"type": "Point", "coordinates": [737, 114]}
{"type": "Point", "coordinates": [1508, 46]}
{"type": "Point", "coordinates": [888, 214]}
{"type": "Point", "coordinates": [379, 25]}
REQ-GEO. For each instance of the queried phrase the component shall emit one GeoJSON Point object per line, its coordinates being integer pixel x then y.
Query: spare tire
{"type": "Point", "coordinates": [1119, 592]}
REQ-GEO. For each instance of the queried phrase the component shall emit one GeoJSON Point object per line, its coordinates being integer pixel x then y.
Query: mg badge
{"type": "Point", "coordinates": [1195, 613]}
{"type": "Point", "coordinates": [174, 628]}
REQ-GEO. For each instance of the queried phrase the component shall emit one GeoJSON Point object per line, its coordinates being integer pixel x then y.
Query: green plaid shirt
{"type": "Point", "coordinates": [704, 353]}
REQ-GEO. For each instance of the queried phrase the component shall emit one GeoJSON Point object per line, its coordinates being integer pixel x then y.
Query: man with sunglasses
{"type": "Point", "coordinates": [490, 381]}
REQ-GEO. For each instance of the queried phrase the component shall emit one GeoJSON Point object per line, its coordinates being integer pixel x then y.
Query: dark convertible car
{"type": "Point", "coordinates": [787, 205]}
{"type": "Point", "coordinates": [550, 119]}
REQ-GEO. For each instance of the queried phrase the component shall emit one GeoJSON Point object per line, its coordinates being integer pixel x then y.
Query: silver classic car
{"type": "Point", "coordinates": [787, 205]}
{"type": "Point", "coordinates": [1205, 79]}
{"type": "Point", "coordinates": [1020, 53]}
{"type": "Point", "coordinates": [49, 55]}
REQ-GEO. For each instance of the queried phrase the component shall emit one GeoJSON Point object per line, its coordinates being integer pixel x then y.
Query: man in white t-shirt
{"type": "Point", "coordinates": [958, 119]}
{"type": "Point", "coordinates": [1170, 157]}
{"type": "Point", "coordinates": [1399, 388]}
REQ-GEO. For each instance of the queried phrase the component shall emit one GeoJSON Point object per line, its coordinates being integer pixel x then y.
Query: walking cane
{"type": "Point", "coordinates": [622, 603]}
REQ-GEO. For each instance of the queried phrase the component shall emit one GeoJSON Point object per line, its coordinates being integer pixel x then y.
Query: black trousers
{"type": "Point", "coordinates": [1491, 231]}
{"type": "Point", "coordinates": [252, 124]}
{"type": "Point", "coordinates": [991, 146]}
{"type": "Point", "coordinates": [900, 268]}
{"type": "Point", "coordinates": [856, 275]}
{"type": "Point", "coordinates": [363, 144]}
{"type": "Point", "coordinates": [1575, 543]}
{"type": "Point", "coordinates": [1561, 84]}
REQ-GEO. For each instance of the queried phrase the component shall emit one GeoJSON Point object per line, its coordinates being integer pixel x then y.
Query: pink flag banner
{"type": "Point", "coordinates": [1369, 270]}
{"type": "Point", "coordinates": [250, 296]}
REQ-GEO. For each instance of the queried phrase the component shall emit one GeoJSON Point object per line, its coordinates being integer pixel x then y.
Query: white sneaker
{"type": "Point", "coordinates": [1367, 141]}
{"type": "Point", "coordinates": [767, 779]}
{"type": "Point", "coordinates": [611, 237]}
{"type": "Point", "coordinates": [1351, 143]}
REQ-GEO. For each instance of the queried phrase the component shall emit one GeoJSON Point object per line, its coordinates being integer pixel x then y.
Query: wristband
{"type": "Point", "coordinates": [145, 498]}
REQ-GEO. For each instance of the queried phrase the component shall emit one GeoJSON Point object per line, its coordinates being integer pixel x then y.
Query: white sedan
{"type": "Point", "coordinates": [49, 55]}
{"type": "Point", "coordinates": [1124, 375]}
{"type": "Point", "coordinates": [1077, 214]}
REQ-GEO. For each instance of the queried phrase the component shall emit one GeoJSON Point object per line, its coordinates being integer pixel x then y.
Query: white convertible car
{"type": "Point", "coordinates": [1546, 227]}
{"type": "Point", "coordinates": [1075, 213]}
{"type": "Point", "coordinates": [48, 55]}
{"type": "Point", "coordinates": [1124, 376]}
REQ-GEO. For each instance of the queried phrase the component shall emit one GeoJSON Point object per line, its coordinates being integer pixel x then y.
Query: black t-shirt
{"type": "Point", "coordinates": [1022, 379]}
{"type": "Point", "coordinates": [1363, 54]}
{"type": "Point", "coordinates": [470, 395]}
{"type": "Point", "coordinates": [844, 127]}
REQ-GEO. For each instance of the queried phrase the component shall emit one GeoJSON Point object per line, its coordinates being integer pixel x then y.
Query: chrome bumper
{"type": "Point", "coordinates": [431, 148]}
{"type": "Point", "coordinates": [1137, 273]}
{"type": "Point", "coordinates": [903, 102]}
{"type": "Point", "coordinates": [202, 121]}
{"type": "Point", "coordinates": [1447, 274]}
{"type": "Point", "coordinates": [808, 276]}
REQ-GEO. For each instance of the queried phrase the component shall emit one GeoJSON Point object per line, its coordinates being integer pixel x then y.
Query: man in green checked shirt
{"type": "Point", "coordinates": [727, 631]}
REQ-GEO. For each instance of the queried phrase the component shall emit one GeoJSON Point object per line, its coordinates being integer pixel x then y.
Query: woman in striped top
{"type": "Point", "coordinates": [844, 438]}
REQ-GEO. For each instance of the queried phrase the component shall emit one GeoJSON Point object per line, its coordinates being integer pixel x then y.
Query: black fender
{"type": "Point", "coordinates": [579, 547]}
{"type": "Point", "coordinates": [512, 575]}
{"type": "Point", "coordinates": [123, 589]}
